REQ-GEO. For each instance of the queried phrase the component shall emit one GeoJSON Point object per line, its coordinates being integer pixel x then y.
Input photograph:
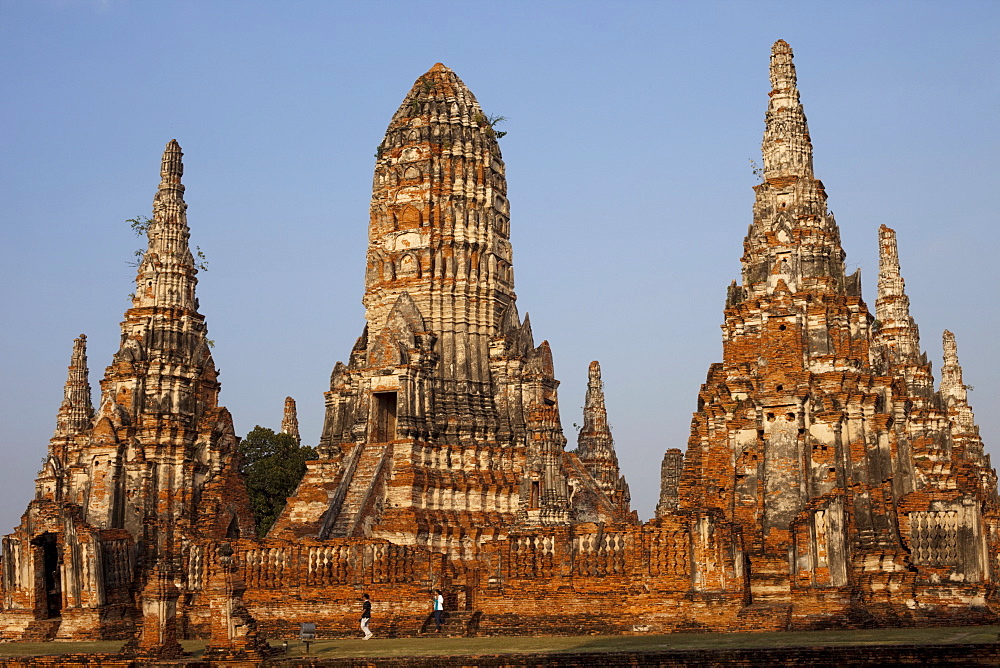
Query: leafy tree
{"type": "Point", "coordinates": [272, 465]}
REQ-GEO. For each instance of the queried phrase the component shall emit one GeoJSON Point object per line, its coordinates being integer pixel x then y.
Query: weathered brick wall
{"type": "Point", "coordinates": [684, 571]}
{"type": "Point", "coordinates": [291, 582]}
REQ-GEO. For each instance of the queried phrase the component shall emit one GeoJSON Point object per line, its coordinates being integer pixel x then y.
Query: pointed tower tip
{"type": "Point", "coordinates": [595, 369]}
{"type": "Point", "coordinates": [436, 85]}
{"type": "Point", "coordinates": [172, 166]}
{"type": "Point", "coordinates": [290, 421]}
{"type": "Point", "coordinates": [435, 73]}
{"type": "Point", "coordinates": [787, 148]}
{"type": "Point", "coordinates": [953, 389]}
{"type": "Point", "coordinates": [781, 46]}
{"type": "Point", "coordinates": [77, 409]}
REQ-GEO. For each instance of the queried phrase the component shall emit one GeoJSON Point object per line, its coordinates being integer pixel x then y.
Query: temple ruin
{"type": "Point", "coordinates": [826, 481]}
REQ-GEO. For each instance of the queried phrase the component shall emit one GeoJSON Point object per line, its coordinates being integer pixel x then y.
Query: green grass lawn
{"type": "Point", "coordinates": [437, 646]}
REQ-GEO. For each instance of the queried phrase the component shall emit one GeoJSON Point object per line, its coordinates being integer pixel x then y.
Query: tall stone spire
{"type": "Point", "coordinates": [897, 333]}
{"type": "Point", "coordinates": [77, 409]}
{"type": "Point", "coordinates": [953, 391]}
{"type": "Point", "coordinates": [786, 146]}
{"type": "Point", "coordinates": [135, 496]}
{"type": "Point", "coordinates": [896, 337]}
{"type": "Point", "coordinates": [596, 446]}
{"type": "Point", "coordinates": [966, 443]}
{"type": "Point", "coordinates": [164, 365]}
{"type": "Point", "coordinates": [440, 228]}
{"type": "Point", "coordinates": [594, 440]}
{"type": "Point", "coordinates": [160, 393]}
{"type": "Point", "coordinates": [290, 421]}
{"type": "Point", "coordinates": [166, 276]}
{"type": "Point", "coordinates": [820, 432]}
{"type": "Point", "coordinates": [793, 239]}
{"type": "Point", "coordinates": [795, 335]}
{"type": "Point", "coordinates": [443, 428]}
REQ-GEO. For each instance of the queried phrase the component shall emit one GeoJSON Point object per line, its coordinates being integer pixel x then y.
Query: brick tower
{"type": "Point", "coordinates": [129, 495]}
{"type": "Point", "coordinates": [595, 445]}
{"type": "Point", "coordinates": [290, 420]}
{"type": "Point", "coordinates": [856, 484]}
{"type": "Point", "coordinates": [442, 429]}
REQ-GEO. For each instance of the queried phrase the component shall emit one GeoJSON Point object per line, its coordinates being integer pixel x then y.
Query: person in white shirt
{"type": "Point", "coordinates": [438, 608]}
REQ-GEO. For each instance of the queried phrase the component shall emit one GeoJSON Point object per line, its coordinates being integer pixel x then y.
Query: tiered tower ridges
{"type": "Point", "coordinates": [290, 420]}
{"type": "Point", "coordinates": [896, 337]}
{"type": "Point", "coordinates": [77, 409]}
{"type": "Point", "coordinates": [794, 240]}
{"type": "Point", "coordinates": [162, 387]}
{"type": "Point", "coordinates": [129, 495]}
{"type": "Point", "coordinates": [440, 223]}
{"type": "Point", "coordinates": [820, 433]}
{"type": "Point", "coordinates": [787, 147]}
{"type": "Point", "coordinates": [596, 446]}
{"type": "Point", "coordinates": [896, 332]}
{"type": "Point", "coordinates": [443, 428]}
{"type": "Point", "coordinates": [75, 416]}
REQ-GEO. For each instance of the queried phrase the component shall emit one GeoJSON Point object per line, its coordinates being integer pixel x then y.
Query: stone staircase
{"type": "Point", "coordinates": [41, 630]}
{"type": "Point", "coordinates": [454, 623]}
{"type": "Point", "coordinates": [359, 486]}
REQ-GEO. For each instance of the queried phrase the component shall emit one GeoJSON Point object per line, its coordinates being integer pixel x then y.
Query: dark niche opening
{"type": "Point", "coordinates": [51, 580]}
{"type": "Point", "coordinates": [384, 425]}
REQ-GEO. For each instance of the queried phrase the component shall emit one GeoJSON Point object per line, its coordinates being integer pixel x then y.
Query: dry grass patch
{"type": "Point", "coordinates": [437, 646]}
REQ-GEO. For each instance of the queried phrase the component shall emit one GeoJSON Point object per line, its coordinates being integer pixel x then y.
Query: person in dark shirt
{"type": "Point", "coordinates": [366, 615]}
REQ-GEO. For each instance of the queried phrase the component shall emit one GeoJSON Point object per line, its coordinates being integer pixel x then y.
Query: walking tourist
{"type": "Point", "coordinates": [366, 616]}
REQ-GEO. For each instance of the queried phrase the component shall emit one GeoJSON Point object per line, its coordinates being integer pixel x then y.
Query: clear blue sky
{"type": "Point", "coordinates": [631, 126]}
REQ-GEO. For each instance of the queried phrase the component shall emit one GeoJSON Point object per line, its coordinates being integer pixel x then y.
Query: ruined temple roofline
{"type": "Point", "coordinates": [439, 257]}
